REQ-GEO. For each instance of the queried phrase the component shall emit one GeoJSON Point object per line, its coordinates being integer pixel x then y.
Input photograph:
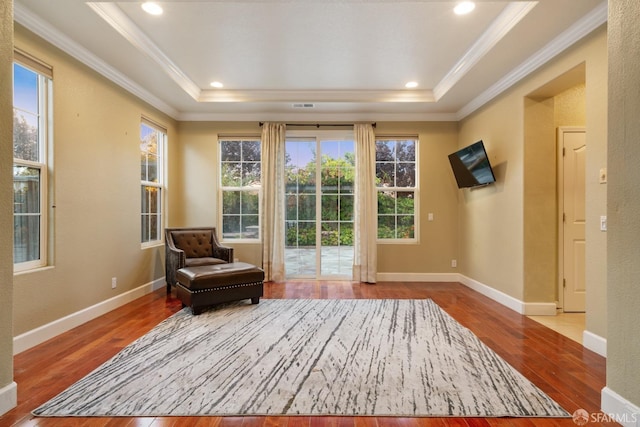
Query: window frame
{"type": "Point", "coordinates": [222, 189]}
{"type": "Point", "coordinates": [162, 141]}
{"type": "Point", "coordinates": [415, 190]}
{"type": "Point", "coordinates": [44, 118]}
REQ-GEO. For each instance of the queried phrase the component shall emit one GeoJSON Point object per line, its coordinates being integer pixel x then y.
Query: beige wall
{"type": "Point", "coordinates": [491, 226]}
{"type": "Point", "coordinates": [540, 202]}
{"type": "Point", "coordinates": [570, 106]}
{"type": "Point", "coordinates": [623, 343]}
{"type": "Point", "coordinates": [596, 200]}
{"type": "Point", "coordinates": [438, 243]}
{"type": "Point", "coordinates": [96, 173]}
{"type": "Point", "coordinates": [197, 204]}
{"type": "Point", "coordinates": [6, 195]}
{"type": "Point", "coordinates": [507, 231]}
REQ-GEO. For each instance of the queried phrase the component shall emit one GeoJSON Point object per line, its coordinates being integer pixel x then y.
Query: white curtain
{"type": "Point", "coordinates": [273, 203]}
{"type": "Point", "coordinates": [365, 206]}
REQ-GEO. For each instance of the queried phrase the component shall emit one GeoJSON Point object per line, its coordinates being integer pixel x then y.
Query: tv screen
{"type": "Point", "coordinates": [471, 166]}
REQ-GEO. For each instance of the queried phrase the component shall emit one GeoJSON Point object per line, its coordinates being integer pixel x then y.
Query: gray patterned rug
{"type": "Point", "coordinates": [312, 357]}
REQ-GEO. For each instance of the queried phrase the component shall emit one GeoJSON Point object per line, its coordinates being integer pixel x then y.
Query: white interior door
{"type": "Point", "coordinates": [574, 149]}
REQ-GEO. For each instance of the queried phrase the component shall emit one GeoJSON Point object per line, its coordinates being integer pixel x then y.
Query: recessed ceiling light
{"type": "Point", "coordinates": [217, 84]}
{"type": "Point", "coordinates": [464, 7]}
{"type": "Point", "coordinates": [152, 8]}
{"type": "Point", "coordinates": [411, 85]}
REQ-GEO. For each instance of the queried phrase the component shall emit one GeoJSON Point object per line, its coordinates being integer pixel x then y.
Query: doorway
{"type": "Point", "coordinates": [572, 192]}
{"type": "Point", "coordinates": [319, 194]}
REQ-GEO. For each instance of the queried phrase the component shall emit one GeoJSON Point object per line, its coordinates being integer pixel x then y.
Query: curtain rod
{"type": "Point", "coordinates": [319, 124]}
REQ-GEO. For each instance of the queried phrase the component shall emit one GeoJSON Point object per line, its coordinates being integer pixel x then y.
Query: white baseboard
{"type": "Point", "coordinates": [417, 277]}
{"type": "Point", "coordinates": [619, 409]}
{"type": "Point", "coordinates": [590, 340]}
{"type": "Point", "coordinates": [8, 397]}
{"type": "Point", "coordinates": [521, 307]}
{"type": "Point", "coordinates": [45, 332]}
{"type": "Point", "coordinates": [595, 343]}
{"type": "Point", "coordinates": [504, 299]}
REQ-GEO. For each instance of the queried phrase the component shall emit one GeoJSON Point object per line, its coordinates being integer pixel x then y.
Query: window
{"type": "Point", "coordinates": [240, 188]}
{"type": "Point", "coordinates": [152, 145]}
{"type": "Point", "coordinates": [31, 140]}
{"type": "Point", "coordinates": [396, 177]}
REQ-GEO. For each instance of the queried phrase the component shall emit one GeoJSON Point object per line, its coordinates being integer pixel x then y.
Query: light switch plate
{"type": "Point", "coordinates": [603, 176]}
{"type": "Point", "coordinates": [603, 223]}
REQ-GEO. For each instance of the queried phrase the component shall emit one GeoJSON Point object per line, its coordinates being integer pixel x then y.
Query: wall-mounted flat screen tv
{"type": "Point", "coordinates": [471, 166]}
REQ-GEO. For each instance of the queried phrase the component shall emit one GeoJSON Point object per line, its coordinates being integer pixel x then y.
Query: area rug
{"type": "Point", "coordinates": [307, 357]}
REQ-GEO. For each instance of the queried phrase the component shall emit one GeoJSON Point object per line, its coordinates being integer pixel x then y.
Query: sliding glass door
{"type": "Point", "coordinates": [319, 216]}
{"type": "Point", "coordinates": [300, 226]}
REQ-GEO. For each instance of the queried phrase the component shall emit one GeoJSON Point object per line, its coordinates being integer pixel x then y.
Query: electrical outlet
{"type": "Point", "coordinates": [603, 223]}
{"type": "Point", "coordinates": [454, 263]}
{"type": "Point", "coordinates": [114, 282]}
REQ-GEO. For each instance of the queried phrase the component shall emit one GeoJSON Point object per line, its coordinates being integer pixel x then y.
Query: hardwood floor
{"type": "Point", "coordinates": [567, 372]}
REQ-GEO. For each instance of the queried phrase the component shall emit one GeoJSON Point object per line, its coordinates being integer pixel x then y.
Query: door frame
{"type": "Point", "coordinates": [319, 136]}
{"type": "Point", "coordinates": [560, 203]}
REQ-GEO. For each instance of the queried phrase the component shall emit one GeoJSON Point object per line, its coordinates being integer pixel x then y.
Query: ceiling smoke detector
{"type": "Point", "coordinates": [304, 105]}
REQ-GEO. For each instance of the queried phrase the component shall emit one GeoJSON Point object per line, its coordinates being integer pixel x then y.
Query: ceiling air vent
{"type": "Point", "coordinates": [303, 105]}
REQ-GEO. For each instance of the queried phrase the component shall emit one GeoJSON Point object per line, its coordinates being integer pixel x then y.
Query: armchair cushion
{"type": "Point", "coordinates": [195, 262]}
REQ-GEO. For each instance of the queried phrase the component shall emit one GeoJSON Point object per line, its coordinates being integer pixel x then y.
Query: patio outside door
{"type": "Point", "coordinates": [319, 215]}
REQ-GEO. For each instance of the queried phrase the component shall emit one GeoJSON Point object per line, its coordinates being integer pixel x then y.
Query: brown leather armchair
{"type": "Point", "coordinates": [189, 246]}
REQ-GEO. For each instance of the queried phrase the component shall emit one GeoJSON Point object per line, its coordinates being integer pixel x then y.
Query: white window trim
{"type": "Point", "coordinates": [44, 74]}
{"type": "Point", "coordinates": [416, 191]}
{"type": "Point", "coordinates": [162, 168]}
{"type": "Point", "coordinates": [160, 241]}
{"type": "Point", "coordinates": [44, 219]}
{"type": "Point", "coordinates": [222, 189]}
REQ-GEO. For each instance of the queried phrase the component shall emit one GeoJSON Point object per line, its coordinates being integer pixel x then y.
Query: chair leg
{"type": "Point", "coordinates": [168, 288]}
{"type": "Point", "coordinates": [255, 300]}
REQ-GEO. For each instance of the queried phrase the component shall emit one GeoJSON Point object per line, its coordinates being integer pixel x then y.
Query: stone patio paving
{"type": "Point", "coordinates": [336, 261]}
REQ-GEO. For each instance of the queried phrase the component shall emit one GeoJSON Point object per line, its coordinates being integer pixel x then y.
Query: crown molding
{"type": "Point", "coordinates": [33, 23]}
{"type": "Point", "coordinates": [499, 28]}
{"type": "Point", "coordinates": [119, 21]}
{"type": "Point", "coordinates": [317, 117]}
{"type": "Point", "coordinates": [377, 96]}
{"type": "Point", "coordinates": [572, 35]}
